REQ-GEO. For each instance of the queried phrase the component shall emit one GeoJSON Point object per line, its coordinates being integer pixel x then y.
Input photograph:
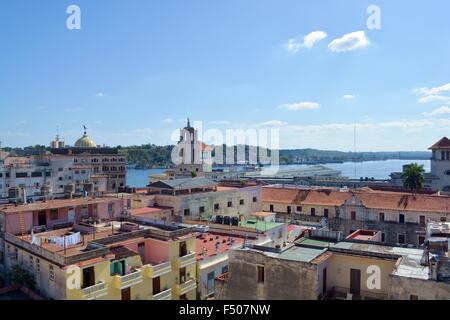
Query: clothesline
{"type": "Point", "coordinates": [64, 241]}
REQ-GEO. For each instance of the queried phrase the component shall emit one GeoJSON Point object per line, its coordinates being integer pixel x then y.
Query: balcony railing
{"type": "Point", "coordinates": [186, 260]}
{"type": "Point", "coordinates": [154, 271]}
{"type": "Point", "coordinates": [163, 295]}
{"type": "Point", "coordinates": [128, 280]}
{"type": "Point", "coordinates": [186, 287]}
{"type": "Point", "coordinates": [95, 291]}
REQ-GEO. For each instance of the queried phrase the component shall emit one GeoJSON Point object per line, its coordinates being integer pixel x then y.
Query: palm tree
{"type": "Point", "coordinates": [413, 177]}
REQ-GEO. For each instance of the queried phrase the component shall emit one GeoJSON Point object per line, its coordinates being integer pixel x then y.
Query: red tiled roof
{"type": "Point", "coordinates": [444, 143]}
{"type": "Point", "coordinates": [372, 199]}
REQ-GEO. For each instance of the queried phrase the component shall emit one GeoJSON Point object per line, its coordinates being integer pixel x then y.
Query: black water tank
{"type": "Point", "coordinates": [226, 220]}
{"type": "Point", "coordinates": [219, 219]}
{"type": "Point", "coordinates": [234, 221]}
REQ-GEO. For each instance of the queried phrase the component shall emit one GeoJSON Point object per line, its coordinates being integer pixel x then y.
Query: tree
{"type": "Point", "coordinates": [193, 174]}
{"type": "Point", "coordinates": [413, 177]}
{"type": "Point", "coordinates": [22, 277]}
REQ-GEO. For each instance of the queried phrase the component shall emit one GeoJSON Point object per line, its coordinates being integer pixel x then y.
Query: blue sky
{"type": "Point", "coordinates": [137, 69]}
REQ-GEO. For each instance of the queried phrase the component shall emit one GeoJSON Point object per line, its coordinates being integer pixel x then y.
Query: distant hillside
{"type": "Point", "coordinates": [153, 156]}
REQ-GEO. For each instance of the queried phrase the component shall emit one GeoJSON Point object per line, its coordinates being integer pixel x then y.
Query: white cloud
{"type": "Point", "coordinates": [438, 111]}
{"type": "Point", "coordinates": [300, 106]}
{"type": "Point", "coordinates": [349, 42]}
{"type": "Point", "coordinates": [348, 96]}
{"type": "Point", "coordinates": [168, 120]}
{"type": "Point", "coordinates": [433, 91]}
{"type": "Point", "coordinates": [310, 40]}
{"type": "Point", "coordinates": [100, 94]}
{"type": "Point", "coordinates": [295, 44]}
{"type": "Point", "coordinates": [433, 98]}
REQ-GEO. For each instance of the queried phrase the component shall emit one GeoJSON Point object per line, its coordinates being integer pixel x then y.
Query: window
{"type": "Point", "coordinates": [224, 269]}
{"type": "Point", "coordinates": [401, 218]}
{"type": "Point", "coordinates": [413, 297]}
{"type": "Point", "coordinates": [421, 240]}
{"type": "Point", "coordinates": [36, 174]}
{"type": "Point", "coordinates": [422, 220]}
{"type": "Point", "coordinates": [187, 212]}
{"type": "Point", "coordinates": [216, 206]}
{"type": "Point", "coordinates": [381, 216]}
{"type": "Point", "coordinates": [21, 174]}
{"type": "Point", "coordinates": [51, 273]}
{"type": "Point", "coordinates": [54, 214]}
{"type": "Point", "coordinates": [261, 274]}
{"type": "Point", "coordinates": [271, 208]}
{"type": "Point", "coordinates": [313, 212]}
{"type": "Point", "coordinates": [383, 237]}
{"type": "Point", "coordinates": [325, 213]}
{"type": "Point", "coordinates": [255, 199]}
{"type": "Point", "coordinates": [401, 238]}
{"type": "Point", "coordinates": [353, 215]}
{"type": "Point", "coordinates": [110, 208]}
{"type": "Point", "coordinates": [443, 219]}
{"type": "Point", "coordinates": [241, 202]}
{"type": "Point", "coordinates": [201, 209]}
{"type": "Point", "coordinates": [289, 209]}
{"type": "Point", "coordinates": [299, 209]}
{"type": "Point", "coordinates": [230, 204]}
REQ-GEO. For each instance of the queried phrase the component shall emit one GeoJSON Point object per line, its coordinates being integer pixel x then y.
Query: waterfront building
{"type": "Point", "coordinates": [85, 167]}
{"type": "Point", "coordinates": [202, 198]}
{"type": "Point", "coordinates": [400, 216]}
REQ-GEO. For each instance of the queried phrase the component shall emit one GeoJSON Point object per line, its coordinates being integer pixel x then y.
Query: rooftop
{"type": "Point", "coordinates": [184, 183]}
{"type": "Point", "coordinates": [206, 244]}
{"type": "Point", "coordinates": [54, 204]}
{"type": "Point", "coordinates": [148, 210]}
{"type": "Point", "coordinates": [444, 143]}
{"type": "Point", "coordinates": [374, 199]}
{"type": "Point", "coordinates": [260, 226]}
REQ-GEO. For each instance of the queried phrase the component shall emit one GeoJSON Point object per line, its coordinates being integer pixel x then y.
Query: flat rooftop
{"type": "Point", "coordinates": [260, 226]}
{"type": "Point", "coordinates": [54, 204]}
{"type": "Point", "coordinates": [208, 242]}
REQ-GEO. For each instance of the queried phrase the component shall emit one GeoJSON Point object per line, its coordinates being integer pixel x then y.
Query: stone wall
{"type": "Point", "coordinates": [283, 279]}
{"type": "Point", "coordinates": [401, 288]}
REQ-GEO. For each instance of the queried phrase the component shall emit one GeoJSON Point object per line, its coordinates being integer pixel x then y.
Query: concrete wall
{"type": "Point", "coordinates": [401, 288]}
{"type": "Point", "coordinates": [283, 279]}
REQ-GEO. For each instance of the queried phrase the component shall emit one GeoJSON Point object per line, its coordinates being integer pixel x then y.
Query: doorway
{"type": "Point", "coordinates": [182, 275]}
{"type": "Point", "coordinates": [141, 251]}
{"type": "Point", "coordinates": [126, 294]}
{"type": "Point", "coordinates": [156, 285]}
{"type": "Point", "coordinates": [183, 249]}
{"type": "Point", "coordinates": [42, 218]}
{"type": "Point", "coordinates": [88, 277]}
{"type": "Point", "coordinates": [324, 281]}
{"type": "Point", "coordinates": [71, 215]}
{"type": "Point", "coordinates": [355, 282]}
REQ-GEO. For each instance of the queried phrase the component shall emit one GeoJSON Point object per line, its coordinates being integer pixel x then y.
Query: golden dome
{"type": "Point", "coordinates": [85, 142]}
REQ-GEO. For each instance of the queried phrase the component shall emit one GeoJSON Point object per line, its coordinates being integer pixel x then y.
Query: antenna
{"type": "Point", "coordinates": [85, 128]}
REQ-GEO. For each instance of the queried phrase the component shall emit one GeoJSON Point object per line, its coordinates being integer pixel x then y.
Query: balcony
{"type": "Point", "coordinates": [128, 280]}
{"type": "Point", "coordinates": [94, 292]}
{"type": "Point", "coordinates": [185, 287]}
{"type": "Point", "coordinates": [154, 271]}
{"type": "Point", "coordinates": [163, 295]}
{"type": "Point", "coordinates": [186, 260]}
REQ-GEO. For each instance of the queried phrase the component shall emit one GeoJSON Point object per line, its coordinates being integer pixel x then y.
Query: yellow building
{"type": "Point", "coordinates": [114, 261]}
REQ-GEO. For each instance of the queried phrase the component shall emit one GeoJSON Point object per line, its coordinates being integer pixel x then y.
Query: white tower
{"type": "Point", "coordinates": [440, 164]}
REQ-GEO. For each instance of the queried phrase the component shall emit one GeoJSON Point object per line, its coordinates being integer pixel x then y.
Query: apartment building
{"type": "Point", "coordinates": [201, 198]}
{"type": "Point", "coordinates": [400, 216]}
{"type": "Point", "coordinates": [108, 261]}
{"type": "Point", "coordinates": [322, 267]}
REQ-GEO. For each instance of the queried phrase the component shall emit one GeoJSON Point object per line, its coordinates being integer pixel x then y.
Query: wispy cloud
{"type": "Point", "coordinates": [168, 120]}
{"type": "Point", "coordinates": [298, 106]}
{"type": "Point", "coordinates": [439, 111]}
{"type": "Point", "coordinates": [433, 91]}
{"type": "Point", "coordinates": [349, 96]}
{"type": "Point", "coordinates": [349, 42]}
{"type": "Point", "coordinates": [100, 94]}
{"type": "Point", "coordinates": [434, 98]}
{"type": "Point", "coordinates": [294, 45]}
